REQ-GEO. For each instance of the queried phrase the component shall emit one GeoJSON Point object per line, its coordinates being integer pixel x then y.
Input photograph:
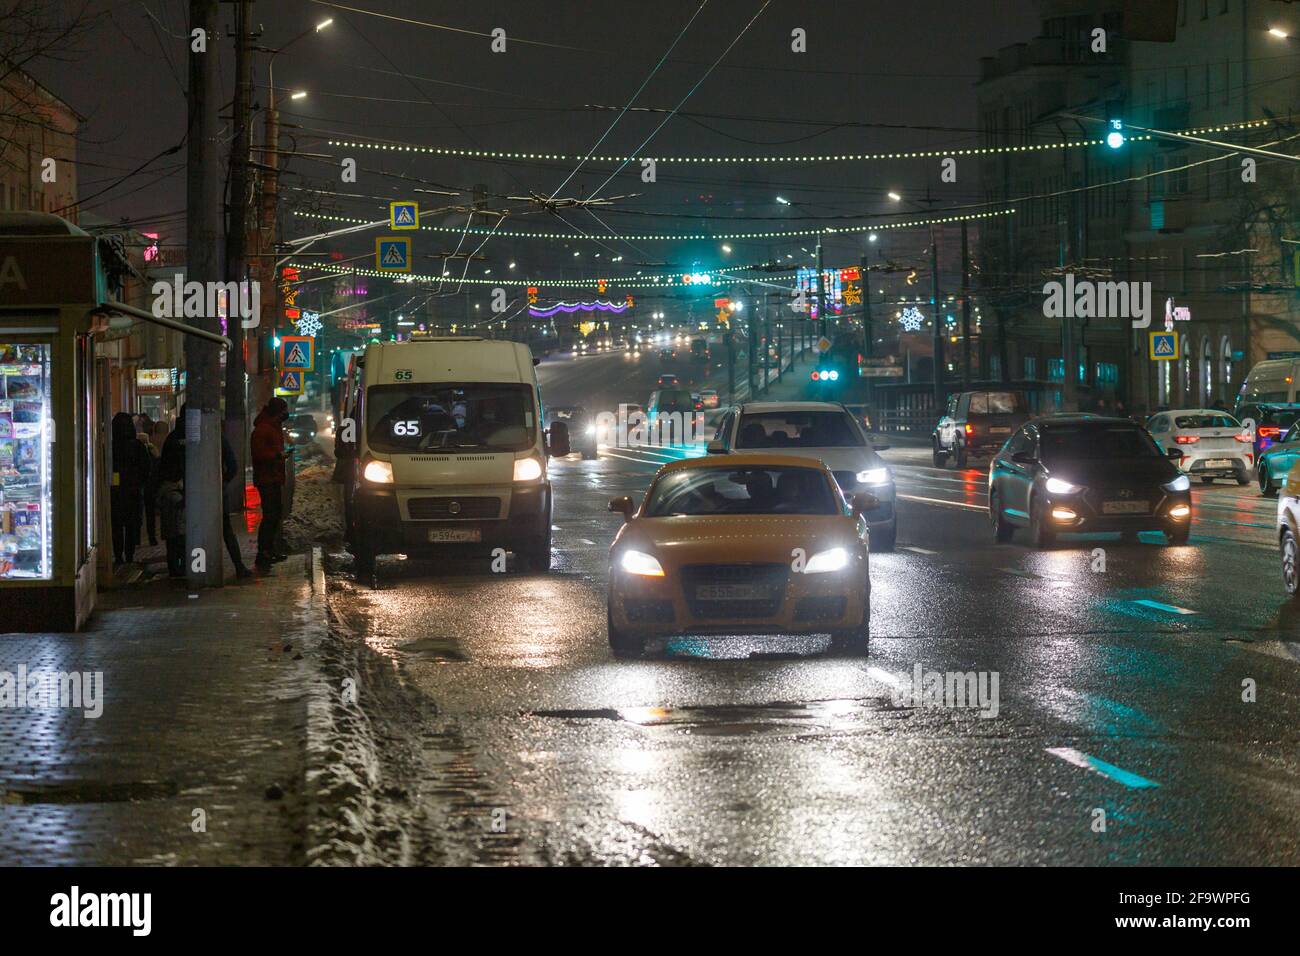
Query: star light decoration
{"type": "Point", "coordinates": [911, 319]}
{"type": "Point", "coordinates": [310, 324]}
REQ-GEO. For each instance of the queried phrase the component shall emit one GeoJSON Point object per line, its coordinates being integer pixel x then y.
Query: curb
{"type": "Point", "coordinates": [320, 721]}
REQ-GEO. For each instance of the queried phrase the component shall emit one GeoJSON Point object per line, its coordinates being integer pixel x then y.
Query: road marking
{"type": "Point", "coordinates": [585, 541]}
{"type": "Point", "coordinates": [1097, 765]}
{"type": "Point", "coordinates": [885, 677]}
{"type": "Point", "coordinates": [940, 501]}
{"type": "Point", "coordinates": [1167, 608]}
{"type": "Point", "coordinates": [1020, 574]}
{"type": "Point", "coordinates": [912, 547]}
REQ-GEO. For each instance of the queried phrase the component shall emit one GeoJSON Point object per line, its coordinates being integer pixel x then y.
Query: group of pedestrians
{"type": "Point", "coordinates": [147, 487]}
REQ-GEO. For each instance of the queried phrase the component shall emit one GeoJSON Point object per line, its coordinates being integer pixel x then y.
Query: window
{"type": "Point", "coordinates": [798, 430]}
{"type": "Point", "coordinates": [1207, 373]}
{"type": "Point", "coordinates": [1188, 383]}
{"type": "Point", "coordinates": [1056, 370]}
{"type": "Point", "coordinates": [1031, 367]}
{"type": "Point", "coordinates": [1225, 357]}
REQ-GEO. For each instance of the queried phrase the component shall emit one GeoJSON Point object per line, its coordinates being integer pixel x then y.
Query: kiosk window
{"type": "Point", "coordinates": [26, 489]}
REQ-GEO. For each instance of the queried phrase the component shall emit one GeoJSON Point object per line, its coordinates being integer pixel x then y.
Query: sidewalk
{"type": "Point", "coordinates": [199, 755]}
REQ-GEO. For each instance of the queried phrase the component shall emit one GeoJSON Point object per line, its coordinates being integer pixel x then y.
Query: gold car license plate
{"type": "Point", "coordinates": [1125, 507]}
{"type": "Point", "coordinates": [455, 535]}
{"type": "Point", "coordinates": [732, 592]}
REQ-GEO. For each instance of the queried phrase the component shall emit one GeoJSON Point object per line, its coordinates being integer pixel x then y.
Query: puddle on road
{"type": "Point", "coordinates": [87, 791]}
{"type": "Point", "coordinates": [776, 717]}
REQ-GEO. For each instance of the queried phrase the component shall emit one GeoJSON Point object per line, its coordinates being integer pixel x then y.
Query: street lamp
{"type": "Point", "coordinates": [1280, 34]}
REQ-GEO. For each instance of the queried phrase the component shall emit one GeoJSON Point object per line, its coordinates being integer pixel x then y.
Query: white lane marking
{"type": "Point", "coordinates": [912, 547]}
{"type": "Point", "coordinates": [885, 677]}
{"type": "Point", "coordinates": [585, 541]}
{"type": "Point", "coordinates": [1020, 574]}
{"type": "Point", "coordinates": [940, 501]}
{"type": "Point", "coordinates": [1169, 608]}
{"type": "Point", "coordinates": [1099, 766]}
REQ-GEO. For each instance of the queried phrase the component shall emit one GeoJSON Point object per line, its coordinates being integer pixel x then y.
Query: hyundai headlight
{"type": "Point", "coordinates": [380, 472]}
{"type": "Point", "coordinates": [836, 559]}
{"type": "Point", "coordinates": [527, 469]}
{"type": "Point", "coordinates": [873, 476]}
{"type": "Point", "coordinates": [638, 562]}
{"type": "Point", "coordinates": [1058, 487]}
{"type": "Point", "coordinates": [1181, 483]}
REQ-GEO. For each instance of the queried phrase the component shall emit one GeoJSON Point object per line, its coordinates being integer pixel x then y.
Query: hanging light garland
{"type": "Point", "coordinates": [679, 237]}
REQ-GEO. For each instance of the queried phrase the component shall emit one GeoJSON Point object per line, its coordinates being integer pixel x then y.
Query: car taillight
{"type": "Point", "coordinates": [970, 429]}
{"type": "Point", "coordinates": [1269, 431]}
{"type": "Point", "coordinates": [1243, 437]}
{"type": "Point", "coordinates": [1187, 439]}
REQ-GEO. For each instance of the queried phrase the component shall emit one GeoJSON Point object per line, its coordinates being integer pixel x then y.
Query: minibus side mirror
{"type": "Point", "coordinates": [557, 445]}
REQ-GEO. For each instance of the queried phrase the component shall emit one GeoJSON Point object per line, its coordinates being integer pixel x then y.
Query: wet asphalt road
{"type": "Point", "coordinates": [1120, 696]}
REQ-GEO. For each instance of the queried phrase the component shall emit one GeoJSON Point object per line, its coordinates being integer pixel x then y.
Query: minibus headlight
{"type": "Point", "coordinates": [527, 469]}
{"type": "Point", "coordinates": [380, 472]}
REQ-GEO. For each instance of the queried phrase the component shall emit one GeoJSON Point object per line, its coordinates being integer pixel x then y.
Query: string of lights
{"type": "Point", "coordinates": [492, 154]}
{"type": "Point", "coordinates": [686, 237]}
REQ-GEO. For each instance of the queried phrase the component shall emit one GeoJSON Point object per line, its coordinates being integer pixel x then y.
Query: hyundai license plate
{"type": "Point", "coordinates": [1125, 507]}
{"type": "Point", "coordinates": [1218, 463]}
{"type": "Point", "coordinates": [455, 535]}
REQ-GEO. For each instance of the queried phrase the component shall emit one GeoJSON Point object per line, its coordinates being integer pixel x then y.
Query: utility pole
{"type": "Point", "coordinates": [965, 310]}
{"type": "Point", "coordinates": [940, 398]}
{"type": "Point", "coordinates": [236, 423]}
{"type": "Point", "coordinates": [203, 558]}
{"type": "Point", "coordinates": [821, 292]}
{"type": "Point", "coordinates": [868, 334]}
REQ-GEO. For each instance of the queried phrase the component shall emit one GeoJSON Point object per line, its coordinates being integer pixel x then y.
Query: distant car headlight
{"type": "Point", "coordinates": [1181, 483]}
{"type": "Point", "coordinates": [1058, 487]}
{"type": "Point", "coordinates": [638, 562]}
{"type": "Point", "coordinates": [836, 559]}
{"type": "Point", "coordinates": [527, 469]}
{"type": "Point", "coordinates": [873, 476]}
{"type": "Point", "coordinates": [591, 429]}
{"type": "Point", "coordinates": [380, 472]}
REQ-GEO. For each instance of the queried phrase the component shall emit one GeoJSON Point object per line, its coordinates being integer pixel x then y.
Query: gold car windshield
{"type": "Point", "coordinates": [748, 491]}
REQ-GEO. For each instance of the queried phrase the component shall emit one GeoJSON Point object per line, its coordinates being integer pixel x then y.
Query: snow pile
{"type": "Point", "coordinates": [317, 516]}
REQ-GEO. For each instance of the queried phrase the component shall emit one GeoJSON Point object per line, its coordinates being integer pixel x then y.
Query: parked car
{"type": "Point", "coordinates": [1209, 443]}
{"type": "Point", "coordinates": [709, 397]}
{"type": "Point", "coordinates": [581, 425]}
{"type": "Point", "coordinates": [1083, 474]}
{"type": "Point", "coordinates": [710, 550]}
{"type": "Point", "coordinates": [824, 431]}
{"type": "Point", "coordinates": [977, 423]}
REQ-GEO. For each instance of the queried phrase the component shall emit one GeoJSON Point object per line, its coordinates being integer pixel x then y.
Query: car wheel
{"type": "Point", "coordinates": [940, 457]}
{"type": "Point", "coordinates": [1266, 486]}
{"type": "Point", "coordinates": [883, 539]}
{"type": "Point", "coordinates": [1003, 530]}
{"type": "Point", "coordinates": [620, 642]}
{"type": "Point", "coordinates": [1179, 536]}
{"type": "Point", "coordinates": [1290, 563]}
{"type": "Point", "coordinates": [1040, 532]}
{"type": "Point", "coordinates": [1207, 480]}
{"type": "Point", "coordinates": [959, 457]}
{"type": "Point", "coordinates": [1243, 479]}
{"type": "Point", "coordinates": [855, 641]}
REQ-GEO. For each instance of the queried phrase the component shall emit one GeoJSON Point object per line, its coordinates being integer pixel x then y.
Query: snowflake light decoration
{"type": "Point", "coordinates": [911, 319]}
{"type": "Point", "coordinates": [310, 324]}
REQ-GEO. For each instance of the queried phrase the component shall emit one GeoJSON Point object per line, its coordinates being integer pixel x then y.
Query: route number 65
{"type": "Point", "coordinates": [402, 375]}
{"type": "Point", "coordinates": [410, 427]}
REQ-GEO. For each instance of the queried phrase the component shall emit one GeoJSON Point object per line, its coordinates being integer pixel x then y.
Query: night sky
{"type": "Point", "coordinates": [913, 64]}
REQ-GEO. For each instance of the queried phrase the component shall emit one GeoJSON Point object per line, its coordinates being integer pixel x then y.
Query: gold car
{"type": "Point", "coordinates": [746, 544]}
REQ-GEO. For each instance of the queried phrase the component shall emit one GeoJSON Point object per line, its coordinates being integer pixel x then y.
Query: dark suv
{"type": "Point", "coordinates": [977, 423]}
{"type": "Point", "coordinates": [581, 425]}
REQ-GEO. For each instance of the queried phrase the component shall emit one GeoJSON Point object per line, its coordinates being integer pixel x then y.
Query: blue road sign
{"type": "Point", "coordinates": [404, 215]}
{"type": "Point", "coordinates": [393, 254]}
{"type": "Point", "coordinates": [1164, 346]}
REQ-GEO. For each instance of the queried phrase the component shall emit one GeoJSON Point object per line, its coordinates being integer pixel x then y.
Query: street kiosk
{"type": "Point", "coordinates": [51, 286]}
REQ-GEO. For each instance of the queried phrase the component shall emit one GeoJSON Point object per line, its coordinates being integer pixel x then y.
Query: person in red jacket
{"type": "Point", "coordinates": [267, 447]}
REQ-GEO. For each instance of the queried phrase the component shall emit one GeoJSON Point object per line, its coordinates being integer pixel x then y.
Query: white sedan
{"type": "Point", "coordinates": [1212, 444]}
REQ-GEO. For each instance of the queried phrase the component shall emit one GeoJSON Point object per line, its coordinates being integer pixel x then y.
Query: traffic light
{"type": "Point", "coordinates": [1115, 133]}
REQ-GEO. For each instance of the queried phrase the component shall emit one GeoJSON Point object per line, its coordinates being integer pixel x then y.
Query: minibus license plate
{"type": "Point", "coordinates": [452, 535]}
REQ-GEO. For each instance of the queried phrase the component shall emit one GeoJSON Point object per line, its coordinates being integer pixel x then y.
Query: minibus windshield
{"type": "Point", "coordinates": [432, 416]}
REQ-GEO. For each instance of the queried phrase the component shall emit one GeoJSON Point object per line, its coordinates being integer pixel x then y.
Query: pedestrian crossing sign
{"type": "Point", "coordinates": [297, 353]}
{"type": "Point", "coordinates": [291, 383]}
{"type": "Point", "coordinates": [393, 254]}
{"type": "Point", "coordinates": [404, 215]}
{"type": "Point", "coordinates": [1164, 346]}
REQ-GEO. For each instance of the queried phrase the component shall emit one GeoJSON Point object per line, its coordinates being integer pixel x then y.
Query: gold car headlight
{"type": "Point", "coordinates": [638, 562]}
{"type": "Point", "coordinates": [835, 559]}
